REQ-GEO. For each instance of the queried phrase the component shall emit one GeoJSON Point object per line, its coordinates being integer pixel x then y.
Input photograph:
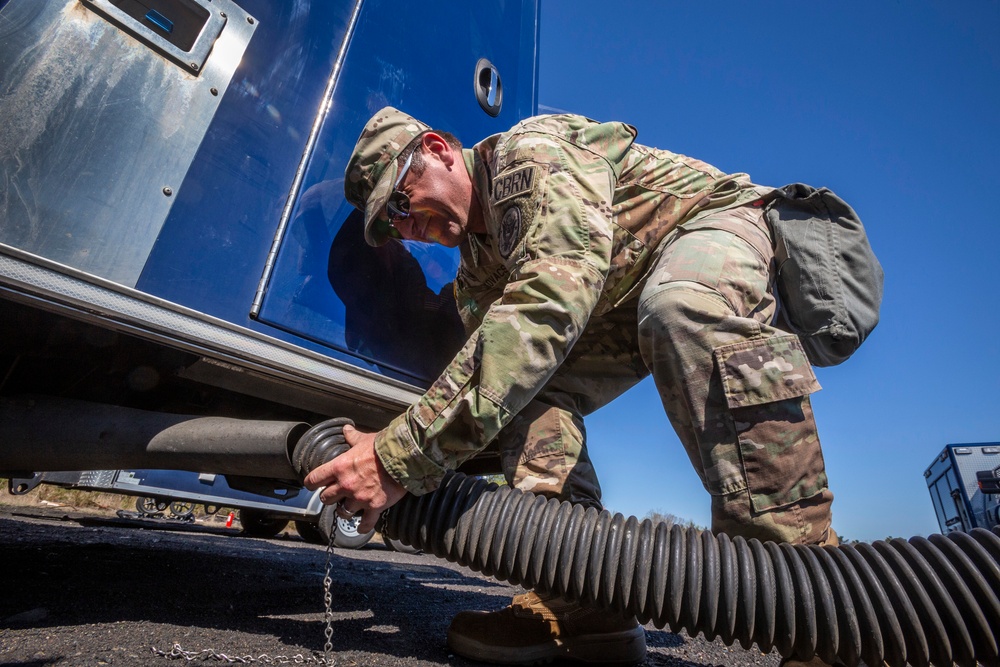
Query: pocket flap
{"type": "Point", "coordinates": [765, 370]}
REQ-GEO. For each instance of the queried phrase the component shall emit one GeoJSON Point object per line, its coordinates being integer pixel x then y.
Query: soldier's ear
{"type": "Point", "coordinates": [434, 144]}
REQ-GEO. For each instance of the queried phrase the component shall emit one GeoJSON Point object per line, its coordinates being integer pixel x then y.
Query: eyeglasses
{"type": "Point", "coordinates": [398, 205]}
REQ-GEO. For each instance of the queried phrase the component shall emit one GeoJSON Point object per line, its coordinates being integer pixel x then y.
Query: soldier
{"type": "Point", "coordinates": [587, 262]}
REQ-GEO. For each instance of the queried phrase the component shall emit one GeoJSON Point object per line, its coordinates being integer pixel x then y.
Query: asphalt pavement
{"type": "Point", "coordinates": [90, 588]}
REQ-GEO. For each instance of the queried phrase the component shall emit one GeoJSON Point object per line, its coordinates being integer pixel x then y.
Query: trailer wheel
{"type": "Point", "coordinates": [310, 532]}
{"type": "Point", "coordinates": [345, 531]}
{"type": "Point", "coordinates": [256, 523]}
{"type": "Point", "coordinates": [147, 505]}
{"type": "Point", "coordinates": [182, 509]}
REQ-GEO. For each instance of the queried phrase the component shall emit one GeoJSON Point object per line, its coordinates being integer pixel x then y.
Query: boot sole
{"type": "Point", "coordinates": [627, 647]}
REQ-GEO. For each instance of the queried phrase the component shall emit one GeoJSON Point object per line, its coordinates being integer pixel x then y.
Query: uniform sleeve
{"type": "Point", "coordinates": [473, 301]}
{"type": "Point", "coordinates": [557, 237]}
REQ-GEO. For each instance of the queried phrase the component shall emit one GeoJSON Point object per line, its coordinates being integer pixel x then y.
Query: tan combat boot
{"type": "Point", "coordinates": [538, 628]}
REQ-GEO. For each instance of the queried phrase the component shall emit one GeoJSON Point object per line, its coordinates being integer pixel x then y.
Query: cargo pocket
{"type": "Point", "coordinates": [767, 383]}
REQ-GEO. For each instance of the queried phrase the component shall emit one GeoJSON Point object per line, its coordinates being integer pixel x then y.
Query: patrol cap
{"type": "Point", "coordinates": [374, 165]}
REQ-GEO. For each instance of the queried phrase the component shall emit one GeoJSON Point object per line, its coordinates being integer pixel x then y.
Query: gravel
{"type": "Point", "coordinates": [89, 588]}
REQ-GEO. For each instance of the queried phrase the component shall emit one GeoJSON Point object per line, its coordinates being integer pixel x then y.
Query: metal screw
{"type": "Point", "coordinates": [214, 91]}
{"type": "Point", "coordinates": [250, 20]}
{"type": "Point", "coordinates": [167, 190]}
{"type": "Point", "coordinates": [222, 14]}
{"type": "Point", "coordinates": [194, 66]}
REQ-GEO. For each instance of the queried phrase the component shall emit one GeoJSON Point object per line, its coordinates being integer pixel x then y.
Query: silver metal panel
{"type": "Point", "coordinates": [192, 59]}
{"type": "Point", "coordinates": [98, 479]}
{"type": "Point", "coordinates": [98, 132]}
{"type": "Point", "coordinates": [132, 485]}
{"type": "Point", "coordinates": [56, 288]}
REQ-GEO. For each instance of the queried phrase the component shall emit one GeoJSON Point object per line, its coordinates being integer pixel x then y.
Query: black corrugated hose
{"type": "Point", "coordinates": [918, 601]}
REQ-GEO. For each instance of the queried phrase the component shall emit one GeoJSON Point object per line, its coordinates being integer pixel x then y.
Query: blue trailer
{"type": "Point", "coordinates": [964, 483]}
{"type": "Point", "coordinates": [183, 285]}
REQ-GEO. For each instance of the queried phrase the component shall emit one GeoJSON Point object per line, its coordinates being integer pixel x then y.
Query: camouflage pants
{"type": "Point", "coordinates": [735, 389]}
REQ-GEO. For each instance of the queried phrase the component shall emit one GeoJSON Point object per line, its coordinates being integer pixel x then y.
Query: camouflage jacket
{"type": "Point", "coordinates": [575, 211]}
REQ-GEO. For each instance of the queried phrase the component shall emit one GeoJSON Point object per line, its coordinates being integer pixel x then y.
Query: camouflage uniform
{"type": "Point", "coordinates": [605, 261]}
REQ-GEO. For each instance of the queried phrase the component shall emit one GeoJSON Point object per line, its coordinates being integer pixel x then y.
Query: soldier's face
{"type": "Point", "coordinates": [440, 197]}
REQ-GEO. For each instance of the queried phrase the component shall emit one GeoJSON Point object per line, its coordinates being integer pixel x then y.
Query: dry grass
{"type": "Point", "coordinates": [47, 494]}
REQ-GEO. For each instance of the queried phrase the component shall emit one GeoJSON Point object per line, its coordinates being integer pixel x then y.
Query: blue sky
{"type": "Point", "coordinates": [893, 105]}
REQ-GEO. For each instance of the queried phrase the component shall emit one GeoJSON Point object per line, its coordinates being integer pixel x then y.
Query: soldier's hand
{"type": "Point", "coordinates": [357, 480]}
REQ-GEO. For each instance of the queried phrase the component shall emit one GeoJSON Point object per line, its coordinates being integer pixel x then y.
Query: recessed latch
{"type": "Point", "coordinates": [489, 87]}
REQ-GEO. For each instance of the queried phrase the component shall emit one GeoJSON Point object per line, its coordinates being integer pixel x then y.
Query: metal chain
{"type": "Point", "coordinates": [177, 651]}
{"type": "Point", "coordinates": [328, 597]}
{"type": "Point", "coordinates": [211, 654]}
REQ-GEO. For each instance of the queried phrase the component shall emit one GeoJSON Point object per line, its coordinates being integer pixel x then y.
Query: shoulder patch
{"type": "Point", "coordinates": [512, 184]}
{"type": "Point", "coordinates": [510, 231]}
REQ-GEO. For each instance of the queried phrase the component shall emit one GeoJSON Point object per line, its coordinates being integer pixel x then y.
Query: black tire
{"type": "Point", "coordinates": [256, 523]}
{"type": "Point", "coordinates": [182, 509]}
{"type": "Point", "coordinates": [345, 531]}
{"type": "Point", "coordinates": [396, 545]}
{"type": "Point", "coordinates": [310, 532]}
{"type": "Point", "coordinates": [147, 505]}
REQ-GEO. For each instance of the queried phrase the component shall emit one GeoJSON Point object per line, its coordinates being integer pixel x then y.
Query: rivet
{"type": "Point", "coordinates": [214, 91]}
{"type": "Point", "coordinates": [250, 20]}
{"type": "Point", "coordinates": [167, 190]}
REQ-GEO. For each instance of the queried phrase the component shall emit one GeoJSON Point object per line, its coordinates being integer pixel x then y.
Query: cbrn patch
{"type": "Point", "coordinates": [513, 183]}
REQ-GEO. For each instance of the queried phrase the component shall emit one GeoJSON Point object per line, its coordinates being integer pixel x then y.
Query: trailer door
{"type": "Point", "coordinates": [468, 68]}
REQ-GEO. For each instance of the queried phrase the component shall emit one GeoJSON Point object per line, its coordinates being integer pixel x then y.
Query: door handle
{"type": "Point", "coordinates": [489, 87]}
